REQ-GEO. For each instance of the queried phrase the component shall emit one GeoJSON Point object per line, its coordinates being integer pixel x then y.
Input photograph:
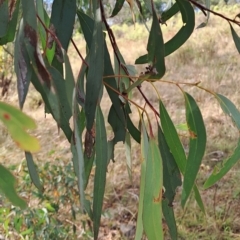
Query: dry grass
{"type": "Point", "coordinates": [209, 57]}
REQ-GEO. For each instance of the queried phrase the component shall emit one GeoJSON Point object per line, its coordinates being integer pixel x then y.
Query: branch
{"type": "Point", "coordinates": [203, 8]}
{"type": "Point", "coordinates": [115, 49]}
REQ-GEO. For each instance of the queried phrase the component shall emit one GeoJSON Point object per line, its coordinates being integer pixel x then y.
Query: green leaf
{"type": "Point", "coordinates": [144, 155]}
{"type": "Point", "coordinates": [101, 170]}
{"type": "Point", "coordinates": [69, 78]}
{"type": "Point", "coordinates": [188, 18]}
{"type": "Point", "coordinates": [171, 173]}
{"type": "Point", "coordinates": [4, 17]}
{"type": "Point", "coordinates": [135, 133]}
{"type": "Point", "coordinates": [64, 106]}
{"type": "Point", "coordinates": [155, 48]}
{"type": "Point", "coordinates": [217, 174]}
{"type": "Point", "coordinates": [22, 66]}
{"type": "Point", "coordinates": [172, 139]}
{"type": "Point", "coordinates": [171, 180]}
{"type": "Point", "coordinates": [152, 202]}
{"type": "Point", "coordinates": [170, 219]}
{"type": "Point", "coordinates": [117, 126]}
{"type": "Point", "coordinates": [118, 6]}
{"type": "Point", "coordinates": [17, 124]}
{"type": "Point", "coordinates": [77, 152]}
{"type": "Point", "coordinates": [7, 186]}
{"type": "Point", "coordinates": [95, 72]}
{"type": "Point", "coordinates": [33, 172]}
{"type": "Point", "coordinates": [197, 145]}
{"type": "Point", "coordinates": [63, 19]}
{"type": "Point", "coordinates": [87, 25]}
{"type": "Point", "coordinates": [48, 44]}
{"type": "Point", "coordinates": [236, 38]}
{"type": "Point", "coordinates": [182, 127]}
{"type": "Point", "coordinates": [170, 12]}
{"type": "Point", "coordinates": [198, 198]}
{"type": "Point", "coordinates": [12, 24]}
{"type": "Point", "coordinates": [128, 155]}
{"type": "Point", "coordinates": [229, 108]}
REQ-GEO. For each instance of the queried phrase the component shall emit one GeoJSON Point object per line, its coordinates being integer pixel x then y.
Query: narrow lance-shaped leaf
{"type": "Point", "coordinates": [188, 18]}
{"type": "Point", "coordinates": [171, 180]}
{"type": "Point", "coordinates": [229, 108]}
{"type": "Point", "coordinates": [4, 17]}
{"type": "Point", "coordinates": [95, 71]}
{"type": "Point", "coordinates": [197, 145]}
{"type": "Point", "coordinates": [77, 152]}
{"type": "Point", "coordinates": [12, 24]}
{"type": "Point", "coordinates": [152, 202]}
{"type": "Point", "coordinates": [217, 174]}
{"type": "Point", "coordinates": [63, 18]}
{"type": "Point", "coordinates": [128, 155]}
{"type": "Point", "coordinates": [155, 48]}
{"type": "Point", "coordinates": [101, 170]}
{"type": "Point", "coordinates": [144, 155]}
{"type": "Point", "coordinates": [33, 172]}
{"type": "Point", "coordinates": [87, 25]}
{"type": "Point", "coordinates": [118, 6]}
{"type": "Point", "coordinates": [170, 12]}
{"type": "Point", "coordinates": [22, 66]}
{"type": "Point", "coordinates": [7, 186]}
{"type": "Point", "coordinates": [236, 38]}
{"type": "Point", "coordinates": [175, 144]}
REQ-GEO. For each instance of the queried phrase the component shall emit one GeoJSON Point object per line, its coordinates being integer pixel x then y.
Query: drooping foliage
{"type": "Point", "coordinates": [41, 58]}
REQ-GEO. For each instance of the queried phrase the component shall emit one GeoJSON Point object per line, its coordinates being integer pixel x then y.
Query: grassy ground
{"type": "Point", "coordinates": [209, 57]}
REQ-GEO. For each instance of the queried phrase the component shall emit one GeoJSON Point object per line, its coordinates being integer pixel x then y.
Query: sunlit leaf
{"type": "Point", "coordinates": [197, 145]}
{"type": "Point", "coordinates": [152, 202]}
{"type": "Point", "coordinates": [144, 155]}
{"type": "Point", "coordinates": [101, 170]}
{"type": "Point", "coordinates": [7, 186]}
{"type": "Point", "coordinates": [17, 124]}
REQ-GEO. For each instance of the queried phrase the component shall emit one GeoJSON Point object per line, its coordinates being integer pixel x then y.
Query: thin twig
{"type": "Point", "coordinates": [80, 55]}
{"type": "Point", "coordinates": [201, 7]}
{"type": "Point", "coordinates": [50, 32]}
